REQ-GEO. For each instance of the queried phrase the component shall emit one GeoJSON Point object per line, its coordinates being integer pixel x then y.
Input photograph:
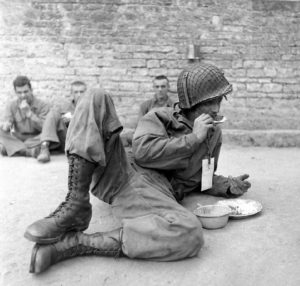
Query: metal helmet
{"type": "Point", "coordinates": [199, 83]}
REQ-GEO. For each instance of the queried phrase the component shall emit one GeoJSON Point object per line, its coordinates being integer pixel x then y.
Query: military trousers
{"type": "Point", "coordinates": [15, 142]}
{"type": "Point", "coordinates": [54, 130]}
{"type": "Point", "coordinates": [154, 225]}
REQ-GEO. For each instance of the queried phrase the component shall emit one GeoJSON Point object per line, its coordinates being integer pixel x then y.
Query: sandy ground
{"type": "Point", "coordinates": [260, 250]}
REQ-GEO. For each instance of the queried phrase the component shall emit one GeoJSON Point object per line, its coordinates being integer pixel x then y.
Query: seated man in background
{"type": "Point", "coordinates": [161, 98]}
{"type": "Point", "coordinates": [54, 130]}
{"type": "Point", "coordinates": [23, 121]}
{"type": "Point", "coordinates": [169, 147]}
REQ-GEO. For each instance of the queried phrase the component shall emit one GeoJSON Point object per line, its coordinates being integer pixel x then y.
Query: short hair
{"type": "Point", "coordinates": [160, 77]}
{"type": "Point", "coordinates": [20, 81]}
{"type": "Point", "coordinates": [78, 82]}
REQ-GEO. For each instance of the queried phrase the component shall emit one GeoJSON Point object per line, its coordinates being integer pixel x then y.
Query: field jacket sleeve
{"type": "Point", "coordinates": [155, 146]}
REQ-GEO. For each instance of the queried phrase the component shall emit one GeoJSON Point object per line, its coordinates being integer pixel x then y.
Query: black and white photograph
{"type": "Point", "coordinates": [150, 143]}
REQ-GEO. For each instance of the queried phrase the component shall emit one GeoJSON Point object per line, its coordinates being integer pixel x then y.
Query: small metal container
{"type": "Point", "coordinates": [213, 216]}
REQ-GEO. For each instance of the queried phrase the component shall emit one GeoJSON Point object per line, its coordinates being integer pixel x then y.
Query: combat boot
{"type": "Point", "coordinates": [30, 152]}
{"type": "Point", "coordinates": [74, 213]}
{"type": "Point", "coordinates": [75, 244]}
{"type": "Point", "coordinates": [44, 155]}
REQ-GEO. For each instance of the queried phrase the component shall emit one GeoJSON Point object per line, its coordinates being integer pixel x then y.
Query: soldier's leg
{"type": "Point", "coordinates": [88, 149]}
{"type": "Point", "coordinates": [155, 226]}
{"type": "Point", "coordinates": [51, 139]}
{"type": "Point", "coordinates": [11, 145]}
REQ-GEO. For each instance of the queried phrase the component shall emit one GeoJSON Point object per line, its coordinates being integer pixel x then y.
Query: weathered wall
{"type": "Point", "coordinates": [121, 44]}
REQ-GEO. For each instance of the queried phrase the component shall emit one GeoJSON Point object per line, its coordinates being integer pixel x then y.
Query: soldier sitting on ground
{"type": "Point", "coordinates": [23, 121]}
{"type": "Point", "coordinates": [169, 147]}
{"type": "Point", "coordinates": [161, 87]}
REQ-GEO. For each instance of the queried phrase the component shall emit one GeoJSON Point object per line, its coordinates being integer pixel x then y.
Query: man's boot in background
{"type": "Point", "coordinates": [44, 155]}
{"type": "Point", "coordinates": [29, 152]}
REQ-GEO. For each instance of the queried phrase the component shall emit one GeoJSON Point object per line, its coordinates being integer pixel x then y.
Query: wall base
{"type": "Point", "coordinates": [269, 138]}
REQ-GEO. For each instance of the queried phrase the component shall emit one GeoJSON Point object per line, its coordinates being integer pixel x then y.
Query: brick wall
{"type": "Point", "coordinates": [121, 45]}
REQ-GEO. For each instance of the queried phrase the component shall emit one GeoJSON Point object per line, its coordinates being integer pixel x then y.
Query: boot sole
{"type": "Point", "coordinates": [43, 161]}
{"type": "Point", "coordinates": [32, 260]}
{"type": "Point", "coordinates": [41, 240]}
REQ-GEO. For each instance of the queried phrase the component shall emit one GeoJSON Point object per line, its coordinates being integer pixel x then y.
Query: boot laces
{"type": "Point", "coordinates": [82, 250]}
{"type": "Point", "coordinates": [61, 208]}
{"type": "Point", "coordinates": [72, 184]}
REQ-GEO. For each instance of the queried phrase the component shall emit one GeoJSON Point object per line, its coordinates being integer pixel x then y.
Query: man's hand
{"type": "Point", "coordinates": [67, 117]}
{"type": "Point", "coordinates": [238, 185]}
{"type": "Point", "coordinates": [201, 126]}
{"type": "Point", "coordinates": [25, 109]}
{"type": "Point", "coordinates": [5, 126]}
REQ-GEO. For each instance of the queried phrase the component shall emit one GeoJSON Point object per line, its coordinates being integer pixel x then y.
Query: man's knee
{"type": "Point", "coordinates": [167, 237]}
{"type": "Point", "coordinates": [192, 237]}
{"type": "Point", "coordinates": [95, 98]}
{"type": "Point", "coordinates": [97, 95]}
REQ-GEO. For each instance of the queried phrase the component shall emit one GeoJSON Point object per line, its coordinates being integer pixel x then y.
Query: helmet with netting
{"type": "Point", "coordinates": [199, 83]}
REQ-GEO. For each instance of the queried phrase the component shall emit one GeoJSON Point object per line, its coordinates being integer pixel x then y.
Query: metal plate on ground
{"type": "Point", "coordinates": [241, 208]}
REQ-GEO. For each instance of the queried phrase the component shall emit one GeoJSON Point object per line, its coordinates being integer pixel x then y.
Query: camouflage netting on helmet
{"type": "Point", "coordinates": [201, 82]}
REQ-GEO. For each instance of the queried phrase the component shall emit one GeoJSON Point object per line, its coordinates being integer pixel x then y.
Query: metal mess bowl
{"type": "Point", "coordinates": [213, 216]}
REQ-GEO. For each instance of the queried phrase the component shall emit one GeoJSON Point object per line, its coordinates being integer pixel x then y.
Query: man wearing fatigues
{"type": "Point", "coordinates": [23, 121]}
{"type": "Point", "coordinates": [53, 135]}
{"type": "Point", "coordinates": [160, 98]}
{"type": "Point", "coordinates": [161, 88]}
{"type": "Point", "coordinates": [144, 192]}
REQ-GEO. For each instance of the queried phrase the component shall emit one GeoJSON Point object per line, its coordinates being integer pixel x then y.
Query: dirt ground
{"type": "Point", "coordinates": [259, 250]}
